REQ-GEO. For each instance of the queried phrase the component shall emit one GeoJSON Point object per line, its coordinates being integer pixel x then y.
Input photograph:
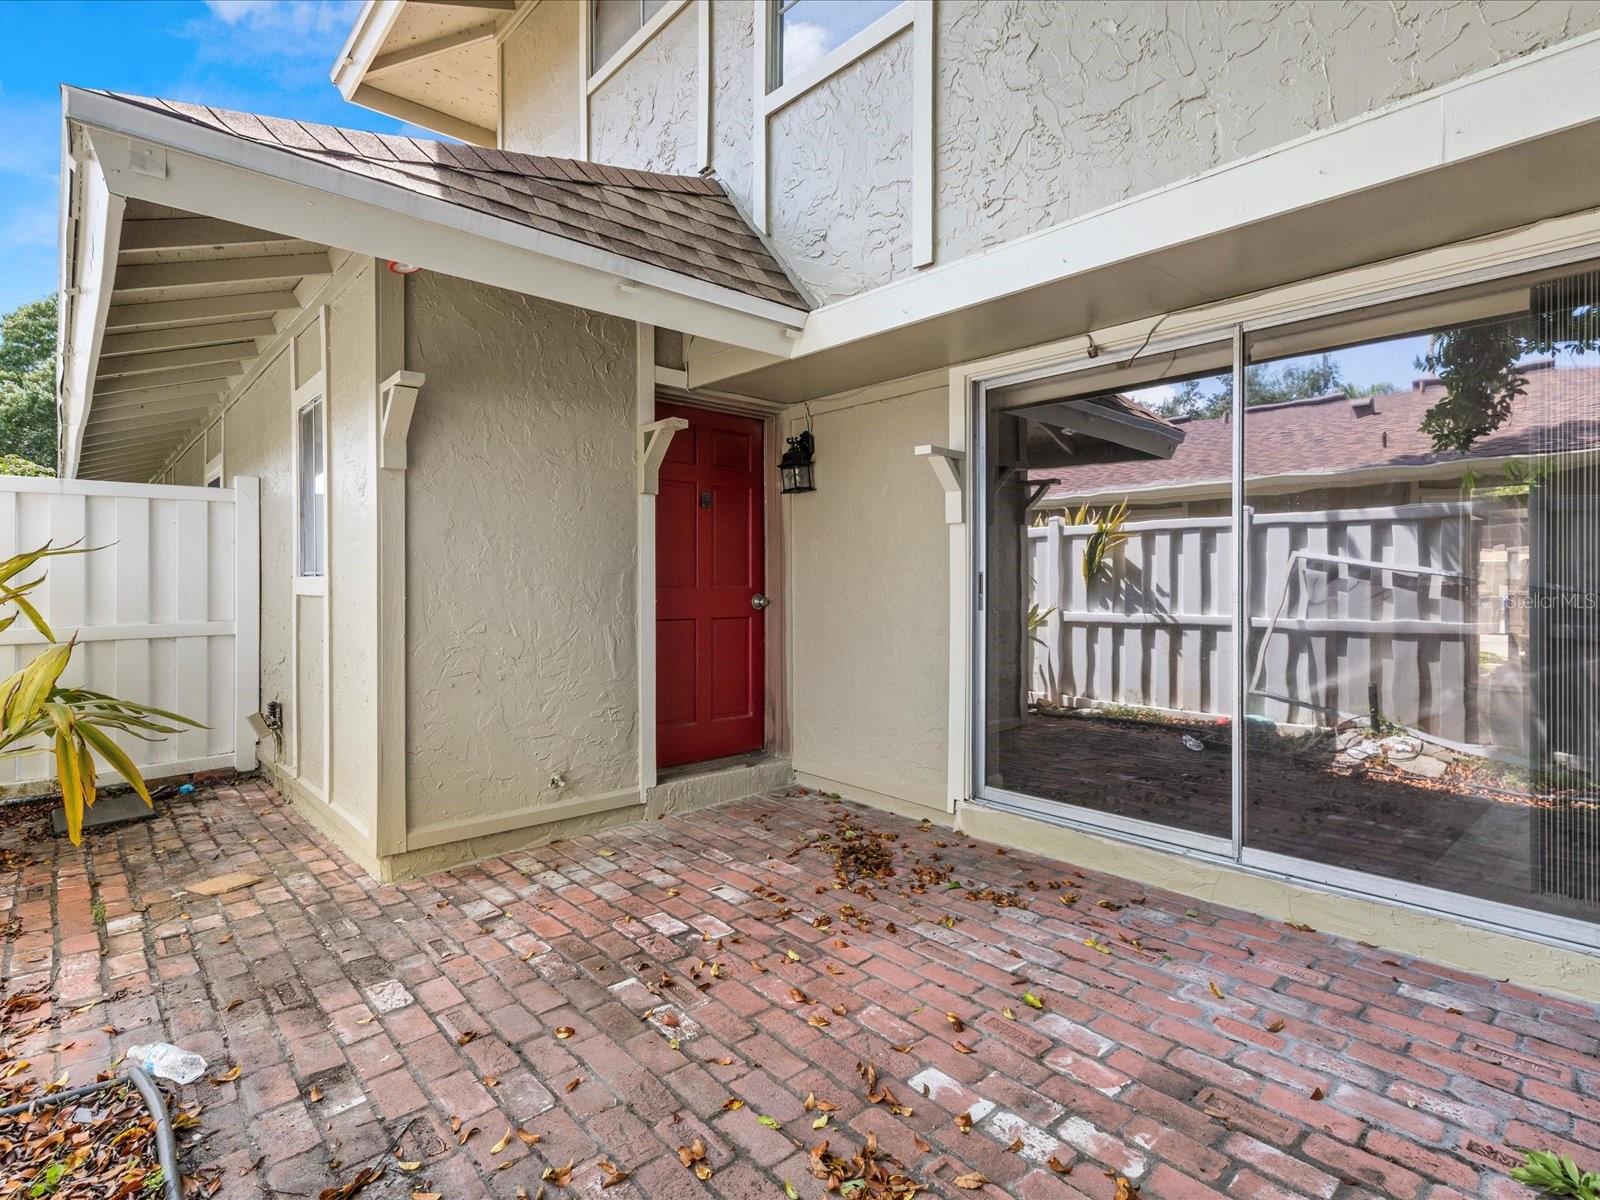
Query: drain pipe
{"type": "Point", "coordinates": [166, 1143]}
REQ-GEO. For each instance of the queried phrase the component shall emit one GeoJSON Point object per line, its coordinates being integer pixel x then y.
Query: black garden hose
{"type": "Point", "coordinates": [166, 1144]}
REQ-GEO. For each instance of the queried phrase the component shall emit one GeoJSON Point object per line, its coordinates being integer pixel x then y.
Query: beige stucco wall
{"type": "Point", "coordinates": [645, 115]}
{"type": "Point", "coordinates": [539, 82]}
{"type": "Point", "coordinates": [520, 559]}
{"type": "Point", "coordinates": [1047, 111]}
{"type": "Point", "coordinates": [1043, 112]}
{"type": "Point", "coordinates": [868, 599]}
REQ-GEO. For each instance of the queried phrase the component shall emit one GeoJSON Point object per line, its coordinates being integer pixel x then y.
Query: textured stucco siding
{"type": "Point", "coordinates": [733, 96]}
{"type": "Point", "coordinates": [868, 598]}
{"type": "Point", "coordinates": [520, 556]}
{"type": "Point", "coordinates": [644, 116]}
{"type": "Point", "coordinates": [190, 469]}
{"type": "Point", "coordinates": [1045, 112]}
{"type": "Point", "coordinates": [539, 64]}
{"type": "Point", "coordinates": [840, 169]}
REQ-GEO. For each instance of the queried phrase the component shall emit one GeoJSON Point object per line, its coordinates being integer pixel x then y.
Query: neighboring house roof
{"type": "Point", "coordinates": [1559, 411]}
{"type": "Point", "coordinates": [682, 223]}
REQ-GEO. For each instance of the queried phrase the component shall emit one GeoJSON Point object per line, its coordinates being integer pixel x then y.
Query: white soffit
{"type": "Point", "coordinates": [1498, 150]}
{"type": "Point", "coordinates": [433, 65]}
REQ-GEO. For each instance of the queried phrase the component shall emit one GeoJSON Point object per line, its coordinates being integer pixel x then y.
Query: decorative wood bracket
{"type": "Point", "coordinates": [654, 439]}
{"type": "Point", "coordinates": [946, 464]}
{"type": "Point", "coordinates": [399, 401]}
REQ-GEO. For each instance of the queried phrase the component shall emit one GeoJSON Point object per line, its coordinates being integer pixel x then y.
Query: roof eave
{"type": "Point", "coordinates": [207, 170]}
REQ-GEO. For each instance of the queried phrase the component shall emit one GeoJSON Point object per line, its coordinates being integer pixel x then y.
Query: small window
{"type": "Point", "coordinates": [809, 30]}
{"type": "Point", "coordinates": [612, 23]}
{"type": "Point", "coordinates": [313, 487]}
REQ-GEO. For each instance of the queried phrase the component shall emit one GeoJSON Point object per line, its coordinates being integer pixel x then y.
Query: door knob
{"type": "Point", "coordinates": [759, 602]}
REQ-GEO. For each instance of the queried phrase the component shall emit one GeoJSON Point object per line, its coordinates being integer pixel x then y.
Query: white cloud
{"type": "Point", "coordinates": [245, 31]}
{"type": "Point", "coordinates": [803, 44]}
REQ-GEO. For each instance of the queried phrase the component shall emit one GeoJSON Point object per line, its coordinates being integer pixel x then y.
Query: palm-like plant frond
{"type": "Point", "coordinates": [75, 725]}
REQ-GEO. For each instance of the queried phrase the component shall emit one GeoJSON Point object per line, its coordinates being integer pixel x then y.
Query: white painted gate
{"type": "Point", "coordinates": [166, 613]}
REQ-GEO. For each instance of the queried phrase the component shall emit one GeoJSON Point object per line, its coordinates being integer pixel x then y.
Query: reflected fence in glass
{"type": "Point", "coordinates": [1423, 664]}
{"type": "Point", "coordinates": [1421, 659]}
{"type": "Point", "coordinates": [1109, 622]}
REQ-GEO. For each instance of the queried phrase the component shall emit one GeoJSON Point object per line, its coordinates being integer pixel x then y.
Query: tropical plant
{"type": "Point", "coordinates": [1557, 1175]}
{"type": "Point", "coordinates": [1107, 536]}
{"type": "Point", "coordinates": [1036, 618]}
{"type": "Point", "coordinates": [75, 725]}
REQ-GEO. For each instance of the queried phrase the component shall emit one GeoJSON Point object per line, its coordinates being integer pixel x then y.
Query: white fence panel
{"type": "Point", "coordinates": [1347, 607]}
{"type": "Point", "coordinates": [156, 609]}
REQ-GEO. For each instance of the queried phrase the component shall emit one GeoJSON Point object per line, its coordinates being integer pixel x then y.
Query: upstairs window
{"type": "Point", "coordinates": [809, 30]}
{"type": "Point", "coordinates": [612, 23]}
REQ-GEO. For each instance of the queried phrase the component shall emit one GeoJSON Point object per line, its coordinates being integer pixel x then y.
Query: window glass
{"type": "Point", "coordinates": [613, 22]}
{"type": "Point", "coordinates": [1423, 516]}
{"type": "Point", "coordinates": [313, 487]}
{"type": "Point", "coordinates": [809, 29]}
{"type": "Point", "coordinates": [1108, 597]}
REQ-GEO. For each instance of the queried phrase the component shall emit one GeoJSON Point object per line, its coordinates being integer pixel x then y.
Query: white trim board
{"type": "Point", "coordinates": [657, 22]}
{"type": "Point", "coordinates": [856, 47]}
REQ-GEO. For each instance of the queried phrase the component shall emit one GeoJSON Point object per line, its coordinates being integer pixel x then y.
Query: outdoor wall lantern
{"type": "Point", "coordinates": [794, 468]}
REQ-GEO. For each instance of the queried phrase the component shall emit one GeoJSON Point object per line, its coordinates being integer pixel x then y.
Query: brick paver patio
{"type": "Point", "coordinates": [625, 994]}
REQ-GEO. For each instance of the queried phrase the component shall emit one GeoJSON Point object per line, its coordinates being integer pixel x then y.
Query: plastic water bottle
{"type": "Point", "coordinates": [168, 1061]}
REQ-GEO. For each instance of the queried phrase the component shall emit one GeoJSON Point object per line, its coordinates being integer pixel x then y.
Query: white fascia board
{"type": "Point", "coordinates": [366, 38]}
{"type": "Point", "coordinates": [208, 171]}
{"type": "Point", "coordinates": [94, 222]}
{"type": "Point", "coordinates": [1528, 98]}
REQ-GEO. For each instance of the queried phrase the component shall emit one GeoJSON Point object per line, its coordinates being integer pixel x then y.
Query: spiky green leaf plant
{"type": "Point", "coordinates": [1557, 1175]}
{"type": "Point", "coordinates": [74, 725]}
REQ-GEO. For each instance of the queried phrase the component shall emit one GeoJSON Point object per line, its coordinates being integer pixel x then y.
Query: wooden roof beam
{"type": "Point", "coordinates": [187, 233]}
{"type": "Point", "coordinates": [142, 314]}
{"type": "Point", "coordinates": [183, 337]}
{"type": "Point", "coordinates": [148, 277]}
{"type": "Point", "coordinates": [194, 356]}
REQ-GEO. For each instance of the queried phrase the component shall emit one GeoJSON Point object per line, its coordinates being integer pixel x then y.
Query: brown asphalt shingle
{"type": "Point", "coordinates": [1560, 411]}
{"type": "Point", "coordinates": [682, 223]}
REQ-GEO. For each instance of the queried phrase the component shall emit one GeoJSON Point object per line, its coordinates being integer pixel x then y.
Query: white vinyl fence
{"type": "Point", "coordinates": [1346, 606]}
{"type": "Point", "coordinates": [166, 613]}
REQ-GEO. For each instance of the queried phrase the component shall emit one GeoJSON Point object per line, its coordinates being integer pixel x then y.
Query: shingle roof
{"type": "Point", "coordinates": [1560, 411]}
{"type": "Point", "coordinates": [682, 223]}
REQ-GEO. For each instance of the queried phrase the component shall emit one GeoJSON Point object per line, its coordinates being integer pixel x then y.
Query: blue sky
{"type": "Point", "coordinates": [269, 56]}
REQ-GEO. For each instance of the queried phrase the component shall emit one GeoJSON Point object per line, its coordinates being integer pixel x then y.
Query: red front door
{"type": "Point", "coordinates": [710, 565]}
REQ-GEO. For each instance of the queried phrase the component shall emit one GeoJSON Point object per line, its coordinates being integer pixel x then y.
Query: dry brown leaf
{"type": "Point", "coordinates": [528, 1139]}
{"type": "Point", "coordinates": [505, 1140]}
{"type": "Point", "coordinates": [1215, 990]}
{"type": "Point", "coordinates": [466, 1036]}
{"type": "Point", "coordinates": [227, 1076]}
{"type": "Point", "coordinates": [574, 1083]}
{"type": "Point", "coordinates": [971, 1181]}
{"type": "Point", "coordinates": [1059, 1167]}
{"type": "Point", "coordinates": [611, 1174]}
{"type": "Point", "coordinates": [963, 1048]}
{"type": "Point", "coordinates": [314, 1095]}
{"type": "Point", "coordinates": [956, 1022]}
{"type": "Point", "coordinates": [1275, 1027]}
{"type": "Point", "coordinates": [1317, 1093]}
{"type": "Point", "coordinates": [563, 1032]}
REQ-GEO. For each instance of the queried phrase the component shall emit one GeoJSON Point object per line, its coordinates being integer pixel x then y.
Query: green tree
{"type": "Point", "coordinates": [27, 385]}
{"type": "Point", "coordinates": [1263, 384]}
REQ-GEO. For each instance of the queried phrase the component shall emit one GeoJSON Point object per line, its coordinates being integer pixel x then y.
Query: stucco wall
{"type": "Point", "coordinates": [839, 162]}
{"type": "Point", "coordinates": [520, 556]}
{"type": "Point", "coordinates": [869, 601]}
{"type": "Point", "coordinates": [1048, 111]}
{"type": "Point", "coordinates": [732, 95]}
{"type": "Point", "coordinates": [539, 65]}
{"type": "Point", "coordinates": [644, 116]}
{"type": "Point", "coordinates": [190, 469]}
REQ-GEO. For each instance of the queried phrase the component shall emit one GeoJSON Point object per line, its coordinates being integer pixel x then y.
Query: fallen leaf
{"type": "Point", "coordinates": [963, 1048]}
{"type": "Point", "coordinates": [611, 1174]}
{"type": "Point", "coordinates": [528, 1139]}
{"type": "Point", "coordinates": [1215, 990]}
{"type": "Point", "coordinates": [956, 1022]}
{"type": "Point", "coordinates": [560, 1176]}
{"type": "Point", "coordinates": [1317, 1093]}
{"type": "Point", "coordinates": [314, 1095]}
{"type": "Point", "coordinates": [227, 1076]}
{"type": "Point", "coordinates": [574, 1083]}
{"type": "Point", "coordinates": [1031, 1000]}
{"type": "Point", "coordinates": [769, 1122]}
{"type": "Point", "coordinates": [1275, 1027]}
{"type": "Point", "coordinates": [468, 1035]}
{"type": "Point", "coordinates": [505, 1140]}
{"type": "Point", "coordinates": [971, 1181]}
{"type": "Point", "coordinates": [563, 1032]}
{"type": "Point", "coordinates": [732, 1104]}
{"type": "Point", "coordinates": [1059, 1167]}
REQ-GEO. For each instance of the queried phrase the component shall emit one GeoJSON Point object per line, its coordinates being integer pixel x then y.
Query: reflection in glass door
{"type": "Point", "coordinates": [1424, 553]}
{"type": "Point", "coordinates": [1108, 600]}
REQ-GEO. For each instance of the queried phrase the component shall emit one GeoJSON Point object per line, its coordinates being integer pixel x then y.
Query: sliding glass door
{"type": "Point", "coordinates": [1415, 664]}
{"type": "Point", "coordinates": [1107, 607]}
